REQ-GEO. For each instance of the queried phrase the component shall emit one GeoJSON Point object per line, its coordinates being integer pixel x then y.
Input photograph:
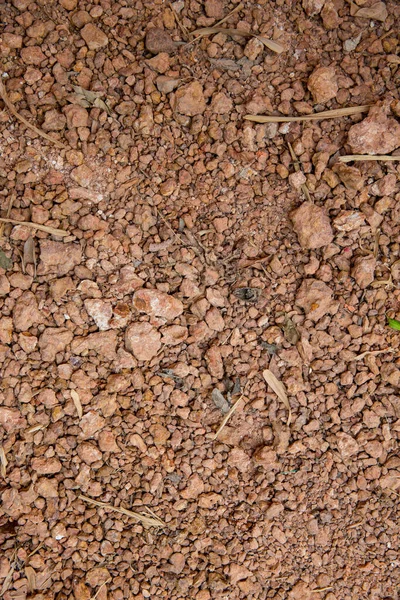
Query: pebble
{"type": "Point", "coordinates": [91, 423]}
{"type": "Point", "coordinates": [194, 488]}
{"type": "Point", "coordinates": [47, 488]}
{"type": "Point", "coordinates": [143, 340]}
{"type": "Point", "coordinates": [253, 48]}
{"type": "Point", "coordinates": [322, 84]}
{"type": "Point", "coordinates": [52, 341]}
{"type": "Point", "coordinates": [376, 134]}
{"type": "Point", "coordinates": [214, 9]}
{"type": "Point", "coordinates": [58, 258]}
{"type": "Point", "coordinates": [46, 466]}
{"type": "Point", "coordinates": [363, 270]}
{"type": "Point", "coordinates": [166, 84]}
{"type": "Point", "coordinates": [266, 458]}
{"type": "Point", "coordinates": [346, 444]}
{"type": "Point", "coordinates": [26, 312]}
{"type": "Point", "coordinates": [158, 40]}
{"type": "Point", "coordinates": [221, 104]}
{"type": "Point", "coordinates": [214, 362]}
{"type": "Point", "coordinates": [315, 297]}
{"type": "Point", "coordinates": [11, 419]}
{"type": "Point", "coordinates": [189, 100]}
{"type": "Point", "coordinates": [100, 311]}
{"type": "Point", "coordinates": [174, 334]}
{"type": "Point", "coordinates": [312, 226]}
{"type": "Point", "coordinates": [238, 573]}
{"type": "Point", "coordinates": [157, 304]}
{"type": "Point", "coordinates": [178, 562]}
{"type": "Point", "coordinates": [32, 55]}
{"type": "Point", "coordinates": [214, 319]}
{"type": "Point", "coordinates": [94, 37]}
{"type": "Point", "coordinates": [89, 453]}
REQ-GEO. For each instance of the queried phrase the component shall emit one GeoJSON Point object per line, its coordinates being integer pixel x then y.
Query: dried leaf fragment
{"type": "Point", "coordinates": [279, 390]}
{"type": "Point", "coordinates": [290, 331]}
{"type": "Point", "coordinates": [143, 519]}
{"type": "Point", "coordinates": [29, 255]}
{"type": "Point", "coordinates": [5, 262]}
{"type": "Point", "coordinates": [220, 401]}
{"type": "Point", "coordinates": [77, 401]}
{"type": "Point", "coordinates": [204, 31]}
{"type": "Point", "coordinates": [31, 577]}
{"type": "Point", "coordinates": [393, 323]}
{"type": "Point", "coordinates": [87, 99]}
{"type": "Point", "coordinates": [359, 157]}
{"type": "Point", "coordinates": [3, 462]}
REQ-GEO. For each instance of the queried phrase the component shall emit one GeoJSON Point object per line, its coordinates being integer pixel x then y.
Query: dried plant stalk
{"type": "Point", "coordinates": [52, 230]}
{"type": "Point", "coordinates": [279, 390]}
{"type": "Point", "coordinates": [373, 353]}
{"type": "Point", "coordinates": [204, 31]}
{"type": "Point", "coordinates": [228, 416]}
{"type": "Point", "coordinates": [357, 157]}
{"type": "Point", "coordinates": [77, 401]}
{"type": "Point", "coordinates": [16, 114]}
{"type": "Point", "coordinates": [144, 519]}
{"type": "Point", "coordinates": [3, 462]}
{"type": "Point", "coordinates": [325, 114]}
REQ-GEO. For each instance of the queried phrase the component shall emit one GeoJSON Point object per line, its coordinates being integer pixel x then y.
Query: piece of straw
{"type": "Point", "coordinates": [325, 114]}
{"type": "Point", "coordinates": [358, 157]}
{"type": "Point", "coordinates": [52, 230]}
{"type": "Point", "coordinates": [144, 519]}
{"type": "Point", "coordinates": [228, 416]}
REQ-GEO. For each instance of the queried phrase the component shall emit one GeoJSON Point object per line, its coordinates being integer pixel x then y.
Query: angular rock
{"type": "Point", "coordinates": [90, 424]}
{"type": "Point", "coordinates": [346, 444]}
{"type": "Point", "coordinates": [177, 561]}
{"type": "Point", "coordinates": [377, 134]}
{"type": "Point", "coordinates": [58, 258]}
{"type": "Point", "coordinates": [32, 55]}
{"type": "Point", "coordinates": [143, 340]}
{"type": "Point", "coordinates": [103, 342]}
{"type": "Point", "coordinates": [47, 488]}
{"type": "Point", "coordinates": [221, 104]}
{"type": "Point", "coordinates": [214, 9]}
{"type": "Point", "coordinates": [26, 312]}
{"type": "Point", "coordinates": [11, 419]}
{"type": "Point", "coordinates": [54, 340]}
{"type": "Point", "coordinates": [194, 488]}
{"type": "Point", "coordinates": [100, 311]}
{"type": "Point", "coordinates": [174, 334]}
{"type": "Point", "coordinates": [312, 226]}
{"type": "Point", "coordinates": [107, 442]}
{"type": "Point", "coordinates": [158, 40]}
{"type": "Point", "coordinates": [214, 362]}
{"type": "Point", "coordinates": [53, 121]}
{"type": "Point", "coordinates": [322, 84]}
{"type": "Point", "coordinates": [315, 298]}
{"type": "Point", "coordinates": [266, 457]}
{"type": "Point", "coordinates": [157, 304]}
{"type": "Point", "coordinates": [350, 176]}
{"type": "Point", "coordinates": [189, 100]}
{"type": "Point", "coordinates": [89, 453]}
{"type": "Point", "coordinates": [46, 466]}
{"type": "Point", "coordinates": [238, 573]}
{"type": "Point", "coordinates": [363, 270]}
{"type": "Point", "coordinates": [94, 37]}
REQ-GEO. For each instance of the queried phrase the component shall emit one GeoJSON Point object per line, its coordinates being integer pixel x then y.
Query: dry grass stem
{"type": "Point", "coordinates": [228, 416]}
{"type": "Point", "coordinates": [144, 519]}
{"type": "Point", "coordinates": [326, 114]}
{"type": "Point", "coordinates": [52, 230]}
{"type": "Point", "coordinates": [324, 589]}
{"type": "Point", "coordinates": [228, 16]}
{"type": "Point", "coordinates": [373, 353]}
{"type": "Point", "coordinates": [274, 46]}
{"type": "Point", "coordinates": [358, 157]}
{"type": "Point", "coordinates": [100, 588]}
{"type": "Point", "coordinates": [179, 23]}
{"type": "Point", "coordinates": [77, 401]}
{"type": "Point", "coordinates": [34, 428]}
{"type": "Point", "coordinates": [279, 390]}
{"type": "Point", "coordinates": [2, 225]}
{"type": "Point", "coordinates": [16, 114]}
{"type": "Point", "coordinates": [296, 164]}
{"type": "Point", "coordinates": [3, 462]}
{"type": "Point", "coordinates": [31, 577]}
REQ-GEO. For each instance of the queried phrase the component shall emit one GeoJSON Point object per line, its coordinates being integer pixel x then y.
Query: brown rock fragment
{"type": "Point", "coordinates": [214, 362]}
{"type": "Point", "coordinates": [312, 226]}
{"type": "Point", "coordinates": [315, 297]}
{"type": "Point", "coordinates": [158, 40]}
{"type": "Point", "coordinates": [377, 134]}
{"type": "Point", "coordinates": [189, 100]}
{"type": "Point", "coordinates": [346, 444]}
{"type": "Point", "coordinates": [11, 419]}
{"type": "Point", "coordinates": [26, 312]}
{"type": "Point", "coordinates": [363, 270]}
{"type": "Point", "coordinates": [46, 466]}
{"type": "Point", "coordinates": [94, 37]}
{"type": "Point", "coordinates": [143, 340]}
{"type": "Point", "coordinates": [54, 340]}
{"type": "Point", "coordinates": [322, 84]}
{"type": "Point", "coordinates": [156, 303]}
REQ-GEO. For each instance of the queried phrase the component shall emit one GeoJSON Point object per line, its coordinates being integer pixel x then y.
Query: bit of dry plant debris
{"type": "Point", "coordinates": [199, 248]}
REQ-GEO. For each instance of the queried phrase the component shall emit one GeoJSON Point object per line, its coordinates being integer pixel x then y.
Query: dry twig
{"type": "Point", "coordinates": [228, 416]}
{"type": "Point", "coordinates": [325, 114]}
{"type": "Point", "coordinates": [144, 519]}
{"type": "Point", "coordinates": [52, 230]}
{"type": "Point", "coordinates": [274, 46]}
{"type": "Point", "coordinates": [16, 114]}
{"type": "Point", "coordinates": [358, 157]}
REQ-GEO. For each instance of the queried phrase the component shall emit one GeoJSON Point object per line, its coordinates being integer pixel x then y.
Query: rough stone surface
{"type": "Point", "coordinates": [143, 340]}
{"type": "Point", "coordinates": [156, 303]}
{"type": "Point", "coordinates": [322, 84]}
{"type": "Point", "coordinates": [158, 40]}
{"type": "Point", "coordinates": [94, 37]}
{"type": "Point", "coordinates": [189, 99]}
{"type": "Point", "coordinates": [378, 133]}
{"type": "Point", "coordinates": [363, 270]}
{"type": "Point", "coordinates": [312, 226]}
{"type": "Point", "coordinates": [315, 297]}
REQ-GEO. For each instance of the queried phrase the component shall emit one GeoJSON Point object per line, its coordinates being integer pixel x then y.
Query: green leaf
{"type": "Point", "coordinates": [393, 323]}
{"type": "Point", "coordinates": [5, 262]}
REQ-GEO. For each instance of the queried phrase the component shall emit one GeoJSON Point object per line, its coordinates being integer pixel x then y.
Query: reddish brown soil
{"type": "Point", "coordinates": [174, 192]}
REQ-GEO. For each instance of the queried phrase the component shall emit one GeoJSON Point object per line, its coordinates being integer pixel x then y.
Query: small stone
{"type": "Point", "coordinates": [83, 175]}
{"type": "Point", "coordinates": [390, 374]}
{"type": "Point", "coordinates": [214, 319]}
{"type": "Point", "coordinates": [346, 444]}
{"type": "Point", "coordinates": [77, 116]}
{"type": "Point", "coordinates": [239, 459]}
{"type": "Point", "coordinates": [297, 179]}
{"type": "Point", "coordinates": [160, 434]}
{"type": "Point", "coordinates": [53, 121]}
{"type": "Point", "coordinates": [330, 16]}
{"type": "Point", "coordinates": [363, 270]}
{"type": "Point", "coordinates": [26, 312]}
{"type": "Point", "coordinates": [350, 176]}
{"type": "Point", "coordinates": [168, 187]}
{"type": "Point", "coordinates": [11, 419]}
{"type": "Point", "coordinates": [214, 362]}
{"type": "Point", "coordinates": [143, 340]}
{"type": "Point", "coordinates": [100, 311]}
{"type": "Point", "coordinates": [128, 281]}
{"type": "Point", "coordinates": [90, 424]}
{"type": "Point", "coordinates": [6, 330]}
{"type": "Point", "coordinates": [312, 226]}
{"type": "Point", "coordinates": [94, 37]}
{"type": "Point", "coordinates": [46, 466]}
{"type": "Point", "coordinates": [238, 573]}
{"type": "Point", "coordinates": [377, 134]}
{"type": "Point", "coordinates": [12, 40]}
{"type": "Point", "coordinates": [348, 220]}
{"type": "Point", "coordinates": [174, 335]}
{"type": "Point", "coordinates": [322, 84]}
{"type": "Point", "coordinates": [57, 257]}
{"type": "Point", "coordinates": [221, 104]}
{"type": "Point", "coordinates": [159, 63]}
{"type": "Point", "coordinates": [157, 304]}
{"type": "Point", "coordinates": [313, 7]}
{"type": "Point", "coordinates": [107, 442]}
{"type": "Point", "coordinates": [89, 453]}
{"type": "Point", "coordinates": [253, 48]}
{"type": "Point", "coordinates": [194, 488]}
{"type": "Point", "coordinates": [189, 100]}
{"type": "Point", "coordinates": [267, 458]}
{"type": "Point", "coordinates": [32, 55]}
{"type": "Point", "coordinates": [69, 4]}
{"type": "Point", "coordinates": [214, 9]}
{"type": "Point", "coordinates": [52, 341]}
{"type": "Point", "coordinates": [47, 488]}
{"type": "Point", "coordinates": [158, 40]}
{"type": "Point", "coordinates": [4, 286]}
{"type": "Point", "coordinates": [166, 85]}
{"type": "Point", "coordinates": [177, 561]}
{"type": "Point", "coordinates": [315, 297]}
{"type": "Point", "coordinates": [301, 591]}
